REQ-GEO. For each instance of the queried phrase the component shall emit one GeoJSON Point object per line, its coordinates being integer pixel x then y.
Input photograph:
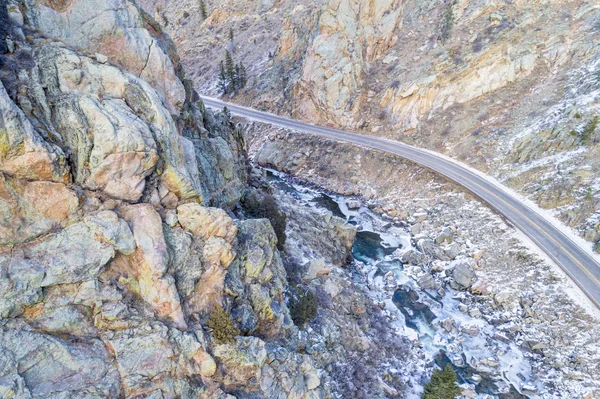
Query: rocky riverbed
{"type": "Point", "coordinates": [464, 288]}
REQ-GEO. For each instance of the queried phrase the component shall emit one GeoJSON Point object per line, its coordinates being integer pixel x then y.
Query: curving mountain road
{"type": "Point", "coordinates": [583, 269]}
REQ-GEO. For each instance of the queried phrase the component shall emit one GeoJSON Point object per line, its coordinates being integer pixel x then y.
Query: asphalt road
{"type": "Point", "coordinates": [583, 269]}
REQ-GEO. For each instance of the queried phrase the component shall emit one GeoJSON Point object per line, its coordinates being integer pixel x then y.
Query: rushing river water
{"type": "Point", "coordinates": [378, 247]}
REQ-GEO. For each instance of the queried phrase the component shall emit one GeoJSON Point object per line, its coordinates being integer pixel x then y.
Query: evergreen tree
{"type": "Point", "coordinates": [227, 114]}
{"type": "Point", "coordinates": [229, 70]}
{"type": "Point", "coordinates": [231, 34]}
{"type": "Point", "coordinates": [203, 12]}
{"type": "Point", "coordinates": [223, 84]}
{"type": "Point", "coordinates": [442, 385]}
{"type": "Point", "coordinates": [243, 75]}
{"type": "Point", "coordinates": [201, 107]}
{"type": "Point", "coordinates": [238, 76]}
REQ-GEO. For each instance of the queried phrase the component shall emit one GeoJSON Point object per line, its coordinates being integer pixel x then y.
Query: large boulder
{"type": "Point", "coordinates": [112, 229]}
{"type": "Point", "coordinates": [463, 274]}
{"type": "Point", "coordinates": [114, 125]}
{"type": "Point", "coordinates": [145, 359]}
{"type": "Point", "coordinates": [206, 222]}
{"type": "Point", "coordinates": [261, 276]}
{"type": "Point", "coordinates": [70, 256]}
{"type": "Point", "coordinates": [241, 363]}
{"type": "Point", "coordinates": [73, 255]}
{"type": "Point", "coordinates": [327, 237]}
{"type": "Point", "coordinates": [213, 233]}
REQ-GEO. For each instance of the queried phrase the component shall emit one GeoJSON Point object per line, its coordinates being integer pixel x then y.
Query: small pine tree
{"type": "Point", "coordinates": [227, 113]}
{"type": "Point", "coordinates": [589, 129]}
{"type": "Point", "coordinates": [202, 109]}
{"type": "Point", "coordinates": [223, 329]}
{"type": "Point", "coordinates": [442, 385]}
{"type": "Point", "coordinates": [201, 106]}
{"type": "Point", "coordinates": [230, 70]}
{"type": "Point", "coordinates": [304, 309]}
{"type": "Point", "coordinates": [203, 12]}
{"type": "Point", "coordinates": [223, 85]}
{"type": "Point", "coordinates": [231, 34]}
{"type": "Point", "coordinates": [447, 22]}
{"type": "Point", "coordinates": [243, 75]}
{"type": "Point", "coordinates": [238, 76]}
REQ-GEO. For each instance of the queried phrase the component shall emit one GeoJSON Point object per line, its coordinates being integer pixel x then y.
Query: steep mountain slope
{"type": "Point", "coordinates": [510, 87]}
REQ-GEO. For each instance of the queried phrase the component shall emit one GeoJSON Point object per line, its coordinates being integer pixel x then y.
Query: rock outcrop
{"type": "Point", "coordinates": [116, 30]}
{"type": "Point", "coordinates": [24, 154]}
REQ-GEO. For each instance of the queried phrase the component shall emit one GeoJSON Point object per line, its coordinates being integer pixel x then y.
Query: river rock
{"type": "Point", "coordinates": [353, 204]}
{"type": "Point", "coordinates": [430, 248]}
{"type": "Point", "coordinates": [413, 257]}
{"type": "Point", "coordinates": [469, 329]}
{"type": "Point", "coordinates": [446, 236]}
{"type": "Point", "coordinates": [504, 298]}
{"type": "Point", "coordinates": [463, 274]}
{"type": "Point", "coordinates": [426, 282]}
{"type": "Point", "coordinates": [453, 250]}
{"type": "Point", "coordinates": [449, 324]}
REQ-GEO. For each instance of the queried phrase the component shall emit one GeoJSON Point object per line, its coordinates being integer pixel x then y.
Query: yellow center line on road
{"type": "Point", "coordinates": [539, 228]}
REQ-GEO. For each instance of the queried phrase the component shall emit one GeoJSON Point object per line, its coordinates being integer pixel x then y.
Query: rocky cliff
{"type": "Point", "coordinates": [122, 234]}
{"type": "Point", "coordinates": [510, 87]}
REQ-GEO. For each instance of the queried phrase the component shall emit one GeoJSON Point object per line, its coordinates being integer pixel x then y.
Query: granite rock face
{"type": "Point", "coordinates": [115, 29]}
{"type": "Point", "coordinates": [36, 365]}
{"type": "Point", "coordinates": [261, 273]}
{"type": "Point", "coordinates": [33, 208]}
{"type": "Point", "coordinates": [114, 125]}
{"type": "Point", "coordinates": [23, 153]}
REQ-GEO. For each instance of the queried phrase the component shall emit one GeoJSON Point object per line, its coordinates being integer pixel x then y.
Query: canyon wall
{"type": "Point", "coordinates": [509, 87]}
